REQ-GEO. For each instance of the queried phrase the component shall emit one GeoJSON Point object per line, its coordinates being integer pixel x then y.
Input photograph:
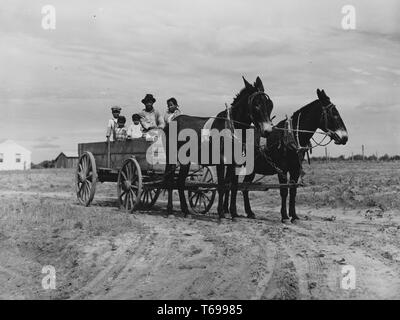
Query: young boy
{"type": "Point", "coordinates": [112, 123]}
{"type": "Point", "coordinates": [120, 130]}
{"type": "Point", "coordinates": [135, 129]}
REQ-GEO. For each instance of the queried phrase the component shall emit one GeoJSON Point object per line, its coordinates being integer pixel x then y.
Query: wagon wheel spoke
{"type": "Point", "coordinates": [124, 175]}
{"type": "Point", "coordinates": [197, 199]}
{"type": "Point", "coordinates": [192, 195]}
{"type": "Point", "coordinates": [145, 197]}
{"type": "Point", "coordinates": [128, 172]}
{"type": "Point", "coordinates": [205, 195]}
{"type": "Point", "coordinates": [80, 188]}
{"type": "Point", "coordinates": [205, 205]}
{"type": "Point", "coordinates": [87, 188]}
{"type": "Point", "coordinates": [133, 175]}
{"type": "Point", "coordinates": [206, 177]}
{"type": "Point", "coordinates": [84, 164]}
{"type": "Point", "coordinates": [132, 197]}
{"type": "Point", "coordinates": [83, 191]}
{"type": "Point", "coordinates": [123, 193]}
{"type": "Point", "coordinates": [88, 165]}
{"type": "Point", "coordinates": [201, 199]}
{"type": "Point", "coordinates": [131, 202]}
{"type": "Point", "coordinates": [125, 200]}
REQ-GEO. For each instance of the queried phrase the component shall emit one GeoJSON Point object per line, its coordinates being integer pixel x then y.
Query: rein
{"type": "Point", "coordinates": [325, 110]}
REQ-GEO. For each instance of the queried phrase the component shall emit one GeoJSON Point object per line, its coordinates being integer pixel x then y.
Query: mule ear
{"type": "Point", "coordinates": [324, 94]}
{"type": "Point", "coordinates": [259, 85]}
{"type": "Point", "coordinates": [319, 94]}
{"type": "Point", "coordinates": [246, 83]}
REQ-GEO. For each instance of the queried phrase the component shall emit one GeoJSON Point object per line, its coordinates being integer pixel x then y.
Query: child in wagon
{"type": "Point", "coordinates": [120, 130]}
{"type": "Point", "coordinates": [135, 130]}
{"type": "Point", "coordinates": [112, 123]}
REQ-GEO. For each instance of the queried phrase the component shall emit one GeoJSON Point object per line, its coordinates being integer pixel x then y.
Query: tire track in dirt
{"type": "Point", "coordinates": [114, 265]}
{"type": "Point", "coordinates": [284, 281]}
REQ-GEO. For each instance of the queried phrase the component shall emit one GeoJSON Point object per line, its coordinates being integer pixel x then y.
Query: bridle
{"type": "Point", "coordinates": [250, 101]}
{"type": "Point", "coordinates": [325, 111]}
{"type": "Point", "coordinates": [327, 132]}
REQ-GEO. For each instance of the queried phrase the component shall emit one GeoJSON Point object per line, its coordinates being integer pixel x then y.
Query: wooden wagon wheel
{"type": "Point", "coordinates": [202, 199]}
{"type": "Point", "coordinates": [86, 178]}
{"type": "Point", "coordinates": [129, 185]}
{"type": "Point", "coordinates": [149, 197]}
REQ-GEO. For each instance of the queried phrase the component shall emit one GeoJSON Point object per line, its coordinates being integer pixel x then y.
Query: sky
{"type": "Point", "coordinates": [57, 86]}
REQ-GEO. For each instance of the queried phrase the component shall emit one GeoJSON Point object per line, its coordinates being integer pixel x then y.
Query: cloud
{"type": "Point", "coordinates": [46, 145]}
{"type": "Point", "coordinates": [61, 83]}
{"type": "Point", "coordinates": [359, 71]}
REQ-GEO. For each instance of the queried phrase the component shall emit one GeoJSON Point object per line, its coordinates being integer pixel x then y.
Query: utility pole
{"type": "Point", "coordinates": [352, 156]}
{"type": "Point", "coordinates": [362, 148]}
{"type": "Point", "coordinates": [326, 154]}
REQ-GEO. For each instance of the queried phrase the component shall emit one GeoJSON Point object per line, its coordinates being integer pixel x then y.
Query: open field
{"type": "Point", "coordinates": [350, 215]}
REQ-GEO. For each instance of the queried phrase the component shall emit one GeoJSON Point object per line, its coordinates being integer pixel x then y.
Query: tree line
{"type": "Point", "coordinates": [358, 157]}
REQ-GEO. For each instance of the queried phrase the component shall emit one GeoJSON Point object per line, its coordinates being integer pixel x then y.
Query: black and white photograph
{"type": "Point", "coordinates": [182, 150]}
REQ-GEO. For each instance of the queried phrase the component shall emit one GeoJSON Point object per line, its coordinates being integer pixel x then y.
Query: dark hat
{"type": "Point", "coordinates": [148, 97]}
{"type": "Point", "coordinates": [116, 109]}
{"type": "Point", "coordinates": [121, 119]}
{"type": "Point", "coordinates": [136, 116]}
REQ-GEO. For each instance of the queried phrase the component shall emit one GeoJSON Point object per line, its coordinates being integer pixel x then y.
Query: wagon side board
{"type": "Point", "coordinates": [119, 152]}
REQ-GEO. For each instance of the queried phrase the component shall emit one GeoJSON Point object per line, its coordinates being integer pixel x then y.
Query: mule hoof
{"type": "Point", "coordinates": [294, 219]}
{"type": "Point", "coordinates": [234, 215]}
{"type": "Point", "coordinates": [285, 221]}
{"type": "Point", "coordinates": [251, 215]}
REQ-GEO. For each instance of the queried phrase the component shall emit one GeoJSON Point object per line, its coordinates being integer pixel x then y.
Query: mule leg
{"type": "Point", "coordinates": [183, 173]}
{"type": "Point", "coordinates": [247, 207]}
{"type": "Point", "coordinates": [284, 194]}
{"type": "Point", "coordinates": [233, 192]}
{"type": "Point", "coordinates": [221, 191]}
{"type": "Point", "coordinates": [294, 178]}
{"type": "Point", "coordinates": [228, 180]}
{"type": "Point", "coordinates": [169, 181]}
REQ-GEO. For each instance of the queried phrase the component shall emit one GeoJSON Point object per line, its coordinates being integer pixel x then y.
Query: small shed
{"type": "Point", "coordinates": [65, 161]}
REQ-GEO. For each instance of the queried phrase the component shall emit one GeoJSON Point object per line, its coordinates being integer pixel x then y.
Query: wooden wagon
{"type": "Point", "coordinates": [139, 181]}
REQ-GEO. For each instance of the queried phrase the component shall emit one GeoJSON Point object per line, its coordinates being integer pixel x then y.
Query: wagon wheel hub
{"type": "Point", "coordinates": [82, 176]}
{"type": "Point", "coordinates": [127, 185]}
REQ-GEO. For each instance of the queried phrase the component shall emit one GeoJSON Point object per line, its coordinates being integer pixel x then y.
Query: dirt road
{"type": "Point", "coordinates": [101, 252]}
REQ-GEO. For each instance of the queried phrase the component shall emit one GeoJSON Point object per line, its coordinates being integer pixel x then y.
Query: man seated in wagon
{"type": "Point", "coordinates": [112, 123]}
{"type": "Point", "coordinates": [150, 118]}
{"type": "Point", "coordinates": [153, 124]}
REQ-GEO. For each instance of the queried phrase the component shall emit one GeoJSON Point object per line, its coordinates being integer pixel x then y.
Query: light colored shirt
{"type": "Point", "coordinates": [112, 124]}
{"type": "Point", "coordinates": [120, 134]}
{"type": "Point", "coordinates": [152, 119]}
{"type": "Point", "coordinates": [169, 116]}
{"type": "Point", "coordinates": [135, 131]}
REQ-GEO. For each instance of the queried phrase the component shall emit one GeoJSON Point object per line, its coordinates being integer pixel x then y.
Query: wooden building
{"type": "Point", "coordinates": [64, 161]}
